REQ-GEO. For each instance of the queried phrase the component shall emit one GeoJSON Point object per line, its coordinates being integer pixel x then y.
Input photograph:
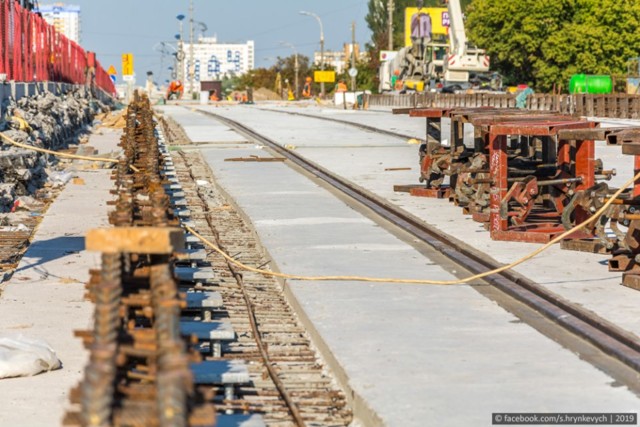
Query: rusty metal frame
{"type": "Point", "coordinates": [540, 227]}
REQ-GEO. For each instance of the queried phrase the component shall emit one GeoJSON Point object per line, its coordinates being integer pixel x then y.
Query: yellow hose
{"type": "Point", "coordinates": [541, 249]}
{"type": "Point", "coordinates": [242, 266]}
{"type": "Point", "coordinates": [63, 155]}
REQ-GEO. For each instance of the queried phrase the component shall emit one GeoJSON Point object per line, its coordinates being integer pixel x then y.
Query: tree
{"type": "Point", "coordinates": [266, 77]}
{"type": "Point", "coordinates": [547, 41]}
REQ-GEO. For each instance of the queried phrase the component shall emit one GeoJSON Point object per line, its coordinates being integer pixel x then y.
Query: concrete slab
{"type": "Point", "coordinates": [409, 354]}
{"type": "Point", "coordinates": [297, 130]}
{"type": "Point", "coordinates": [195, 274]}
{"type": "Point", "coordinates": [192, 255]}
{"type": "Point", "coordinates": [45, 297]}
{"type": "Point", "coordinates": [204, 300]}
{"type": "Point", "coordinates": [240, 420]}
{"type": "Point", "coordinates": [203, 131]}
{"type": "Point", "coordinates": [402, 124]}
{"type": "Point", "coordinates": [220, 372]}
{"type": "Point", "coordinates": [587, 282]}
{"type": "Point", "coordinates": [217, 331]}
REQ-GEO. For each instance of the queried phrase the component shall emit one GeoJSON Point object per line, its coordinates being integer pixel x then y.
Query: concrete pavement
{"type": "Point", "coordinates": [45, 297]}
{"type": "Point", "coordinates": [411, 356]}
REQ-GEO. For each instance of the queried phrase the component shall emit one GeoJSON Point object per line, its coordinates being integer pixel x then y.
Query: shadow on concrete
{"type": "Point", "coordinates": [45, 251]}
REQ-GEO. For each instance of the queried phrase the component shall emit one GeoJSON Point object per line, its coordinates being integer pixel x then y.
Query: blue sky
{"type": "Point", "coordinates": [113, 27]}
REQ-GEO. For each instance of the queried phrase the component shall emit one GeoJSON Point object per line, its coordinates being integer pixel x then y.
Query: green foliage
{"type": "Point", "coordinates": [547, 41]}
{"type": "Point", "coordinates": [366, 78]}
{"type": "Point", "coordinates": [266, 77]}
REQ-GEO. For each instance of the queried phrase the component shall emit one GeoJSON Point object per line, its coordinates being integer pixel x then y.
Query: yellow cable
{"type": "Point", "coordinates": [596, 215]}
{"type": "Point", "coordinates": [63, 155]}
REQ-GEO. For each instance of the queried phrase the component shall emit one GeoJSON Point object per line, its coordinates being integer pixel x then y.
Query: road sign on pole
{"type": "Point", "coordinates": [127, 64]}
{"type": "Point", "coordinates": [112, 71]}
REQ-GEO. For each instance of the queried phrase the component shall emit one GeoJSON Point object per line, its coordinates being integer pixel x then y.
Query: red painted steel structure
{"type": "Point", "coordinates": [576, 162]}
{"type": "Point", "coordinates": [33, 51]}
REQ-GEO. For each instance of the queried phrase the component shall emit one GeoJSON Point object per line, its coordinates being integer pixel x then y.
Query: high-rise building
{"type": "Point", "coordinates": [64, 17]}
{"type": "Point", "coordinates": [214, 60]}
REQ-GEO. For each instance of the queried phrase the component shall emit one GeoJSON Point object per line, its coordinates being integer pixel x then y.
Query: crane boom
{"type": "Point", "coordinates": [457, 35]}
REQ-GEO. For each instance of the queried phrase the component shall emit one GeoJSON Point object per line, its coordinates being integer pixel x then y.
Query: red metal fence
{"type": "Point", "coordinates": [33, 51]}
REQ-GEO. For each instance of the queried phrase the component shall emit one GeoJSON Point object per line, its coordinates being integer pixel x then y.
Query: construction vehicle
{"type": "Point", "coordinates": [439, 63]}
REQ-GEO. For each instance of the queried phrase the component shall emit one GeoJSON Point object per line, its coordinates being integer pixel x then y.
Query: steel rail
{"type": "Point", "coordinates": [354, 124]}
{"type": "Point", "coordinates": [255, 329]}
{"type": "Point", "coordinates": [608, 337]}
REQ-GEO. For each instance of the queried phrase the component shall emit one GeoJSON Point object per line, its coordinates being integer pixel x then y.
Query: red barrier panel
{"type": "Point", "coordinates": [4, 40]}
{"type": "Point", "coordinates": [33, 51]}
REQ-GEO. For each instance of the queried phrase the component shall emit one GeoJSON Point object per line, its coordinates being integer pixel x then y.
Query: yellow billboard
{"type": "Point", "coordinates": [127, 64]}
{"type": "Point", "coordinates": [439, 21]}
{"type": "Point", "coordinates": [324, 76]}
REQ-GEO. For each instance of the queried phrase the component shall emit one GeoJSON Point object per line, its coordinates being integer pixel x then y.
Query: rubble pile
{"type": "Point", "coordinates": [45, 121]}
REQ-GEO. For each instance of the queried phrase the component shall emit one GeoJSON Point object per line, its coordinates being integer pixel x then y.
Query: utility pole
{"type": "Point", "coordinates": [303, 12]}
{"type": "Point", "coordinates": [192, 65]}
{"type": "Point", "coordinates": [297, 71]}
{"type": "Point", "coordinates": [321, 57]}
{"type": "Point", "coordinates": [353, 55]}
{"type": "Point", "coordinates": [390, 6]}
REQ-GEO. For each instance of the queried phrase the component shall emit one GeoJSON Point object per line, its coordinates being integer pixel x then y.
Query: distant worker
{"type": "Point", "coordinates": [521, 97]}
{"type": "Point", "coordinates": [214, 96]}
{"type": "Point", "coordinates": [394, 79]}
{"type": "Point", "coordinates": [342, 86]}
{"type": "Point", "coordinates": [399, 85]}
{"type": "Point", "coordinates": [306, 89]}
{"type": "Point", "coordinates": [175, 91]}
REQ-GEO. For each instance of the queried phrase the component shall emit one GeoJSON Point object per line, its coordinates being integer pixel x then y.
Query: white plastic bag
{"type": "Point", "coordinates": [22, 357]}
{"type": "Point", "coordinates": [58, 178]}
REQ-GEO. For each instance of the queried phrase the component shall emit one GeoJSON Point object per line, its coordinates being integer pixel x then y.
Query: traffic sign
{"type": "Point", "coordinates": [113, 78]}
{"type": "Point", "coordinates": [324, 76]}
{"type": "Point", "coordinates": [127, 64]}
{"type": "Point", "coordinates": [112, 71]}
{"type": "Point", "coordinates": [353, 72]}
{"type": "Point", "coordinates": [129, 78]}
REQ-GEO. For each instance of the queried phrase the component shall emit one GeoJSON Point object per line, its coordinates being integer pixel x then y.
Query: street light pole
{"type": "Point", "coordinates": [296, 67]}
{"type": "Point", "coordinates": [180, 53]}
{"type": "Point", "coordinates": [302, 12]}
{"type": "Point", "coordinates": [353, 55]}
{"type": "Point", "coordinates": [192, 64]}
{"type": "Point", "coordinates": [391, 6]}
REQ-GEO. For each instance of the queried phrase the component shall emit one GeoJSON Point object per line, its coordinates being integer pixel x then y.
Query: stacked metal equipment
{"type": "Point", "coordinates": [510, 169]}
{"type": "Point", "coordinates": [139, 369]}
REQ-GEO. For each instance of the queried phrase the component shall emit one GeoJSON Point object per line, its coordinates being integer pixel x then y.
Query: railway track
{"type": "Point", "coordinates": [432, 132]}
{"type": "Point", "coordinates": [180, 338]}
{"type": "Point", "coordinates": [610, 341]}
{"type": "Point", "coordinates": [253, 298]}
